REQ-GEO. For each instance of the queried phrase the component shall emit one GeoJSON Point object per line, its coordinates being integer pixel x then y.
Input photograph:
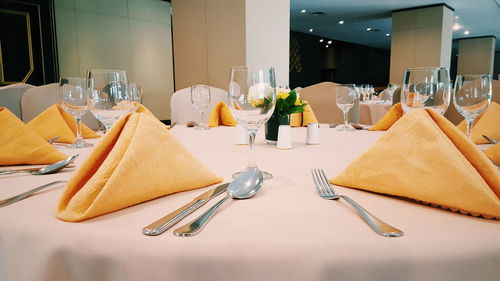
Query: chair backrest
{"type": "Point", "coordinates": [10, 97]}
{"type": "Point", "coordinates": [183, 112]}
{"type": "Point", "coordinates": [34, 101]}
{"type": "Point", "coordinates": [455, 117]}
{"type": "Point", "coordinates": [321, 97]}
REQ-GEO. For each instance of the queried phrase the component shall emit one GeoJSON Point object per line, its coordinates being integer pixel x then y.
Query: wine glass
{"type": "Point", "coordinates": [135, 92]}
{"type": "Point", "coordinates": [200, 98]}
{"type": "Point", "coordinates": [364, 91]}
{"type": "Point", "coordinates": [426, 87]}
{"type": "Point", "coordinates": [345, 98]}
{"type": "Point", "coordinates": [109, 98]}
{"type": "Point", "coordinates": [472, 96]}
{"type": "Point", "coordinates": [252, 98]}
{"type": "Point", "coordinates": [74, 100]}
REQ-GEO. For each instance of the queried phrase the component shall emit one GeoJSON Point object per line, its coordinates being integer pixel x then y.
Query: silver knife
{"type": "Point", "coordinates": [159, 226]}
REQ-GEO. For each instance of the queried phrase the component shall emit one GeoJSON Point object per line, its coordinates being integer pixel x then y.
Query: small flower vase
{"type": "Point", "coordinates": [273, 125]}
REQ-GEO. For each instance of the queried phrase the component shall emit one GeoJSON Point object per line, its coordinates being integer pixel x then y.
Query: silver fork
{"type": "Point", "coordinates": [326, 191]}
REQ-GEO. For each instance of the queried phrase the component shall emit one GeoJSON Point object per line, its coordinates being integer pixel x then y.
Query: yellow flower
{"type": "Point", "coordinates": [298, 102]}
{"type": "Point", "coordinates": [256, 103]}
{"type": "Point", "coordinates": [282, 95]}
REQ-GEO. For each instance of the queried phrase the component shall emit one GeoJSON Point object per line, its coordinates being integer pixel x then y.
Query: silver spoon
{"type": "Point", "coordinates": [50, 169]}
{"type": "Point", "coordinates": [244, 186]}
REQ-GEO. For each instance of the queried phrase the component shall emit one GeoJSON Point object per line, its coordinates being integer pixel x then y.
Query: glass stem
{"type": "Point", "coordinates": [202, 123]}
{"type": "Point", "coordinates": [468, 121]}
{"type": "Point", "coordinates": [78, 129]}
{"type": "Point", "coordinates": [251, 157]}
{"type": "Point", "coordinates": [345, 119]}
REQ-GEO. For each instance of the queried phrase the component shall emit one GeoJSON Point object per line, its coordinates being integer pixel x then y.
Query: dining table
{"type": "Point", "coordinates": [285, 232]}
{"type": "Point", "coordinates": [371, 111]}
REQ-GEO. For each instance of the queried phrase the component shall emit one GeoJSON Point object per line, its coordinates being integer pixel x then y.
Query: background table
{"type": "Point", "coordinates": [285, 232]}
{"type": "Point", "coordinates": [371, 111]}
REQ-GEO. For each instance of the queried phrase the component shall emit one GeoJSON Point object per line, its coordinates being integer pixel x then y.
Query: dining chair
{"type": "Point", "coordinates": [182, 110]}
{"type": "Point", "coordinates": [35, 100]}
{"type": "Point", "coordinates": [321, 97]}
{"type": "Point", "coordinates": [10, 97]}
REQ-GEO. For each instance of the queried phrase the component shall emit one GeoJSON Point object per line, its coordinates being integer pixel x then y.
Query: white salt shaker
{"type": "Point", "coordinates": [312, 133]}
{"type": "Point", "coordinates": [284, 137]}
{"type": "Point", "coordinates": [241, 137]}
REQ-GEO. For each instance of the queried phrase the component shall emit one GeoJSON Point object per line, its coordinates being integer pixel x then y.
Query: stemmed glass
{"type": "Point", "coordinates": [109, 98]}
{"type": "Point", "coordinates": [200, 98]}
{"type": "Point", "coordinates": [426, 87]}
{"type": "Point", "coordinates": [472, 96]}
{"type": "Point", "coordinates": [391, 88]}
{"type": "Point", "coordinates": [135, 92]}
{"type": "Point", "coordinates": [74, 101]}
{"type": "Point", "coordinates": [345, 98]}
{"type": "Point", "coordinates": [252, 98]}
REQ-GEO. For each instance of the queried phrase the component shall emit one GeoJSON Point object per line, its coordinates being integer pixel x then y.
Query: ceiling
{"type": "Point", "coordinates": [479, 17]}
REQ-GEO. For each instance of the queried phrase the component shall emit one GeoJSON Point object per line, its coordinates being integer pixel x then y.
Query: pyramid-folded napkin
{"type": "Point", "coordinates": [393, 115]}
{"type": "Point", "coordinates": [136, 161]}
{"type": "Point", "coordinates": [302, 119]}
{"type": "Point", "coordinates": [221, 115]}
{"type": "Point", "coordinates": [19, 144]}
{"type": "Point", "coordinates": [428, 159]}
{"type": "Point", "coordinates": [55, 121]}
{"type": "Point", "coordinates": [494, 153]}
{"type": "Point", "coordinates": [487, 124]}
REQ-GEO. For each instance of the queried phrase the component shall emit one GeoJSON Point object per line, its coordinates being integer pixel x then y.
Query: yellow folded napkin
{"type": "Point", "coordinates": [21, 145]}
{"type": "Point", "coordinates": [393, 115]}
{"type": "Point", "coordinates": [55, 121]}
{"type": "Point", "coordinates": [221, 115]}
{"type": "Point", "coordinates": [428, 159]}
{"type": "Point", "coordinates": [304, 118]}
{"type": "Point", "coordinates": [145, 110]}
{"type": "Point", "coordinates": [487, 124]}
{"type": "Point", "coordinates": [136, 161]}
{"type": "Point", "coordinates": [494, 153]}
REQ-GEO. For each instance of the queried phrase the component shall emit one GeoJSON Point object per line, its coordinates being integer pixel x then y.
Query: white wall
{"type": "Point", "coordinates": [131, 35]}
{"type": "Point", "coordinates": [268, 36]}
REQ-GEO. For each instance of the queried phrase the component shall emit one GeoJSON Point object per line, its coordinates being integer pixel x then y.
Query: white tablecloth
{"type": "Point", "coordinates": [285, 232]}
{"type": "Point", "coordinates": [371, 111]}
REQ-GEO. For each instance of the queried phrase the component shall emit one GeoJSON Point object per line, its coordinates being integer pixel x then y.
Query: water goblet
{"type": "Point", "coordinates": [426, 87]}
{"type": "Point", "coordinates": [74, 101]}
{"type": "Point", "coordinates": [135, 92]}
{"type": "Point", "coordinates": [472, 96]}
{"type": "Point", "coordinates": [252, 98]}
{"type": "Point", "coordinates": [109, 98]}
{"type": "Point", "coordinates": [200, 98]}
{"type": "Point", "coordinates": [345, 98]}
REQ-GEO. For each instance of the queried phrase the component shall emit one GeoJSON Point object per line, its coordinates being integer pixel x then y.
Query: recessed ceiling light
{"type": "Point", "coordinates": [457, 17]}
{"type": "Point", "coordinates": [329, 42]}
{"type": "Point", "coordinates": [387, 34]}
{"type": "Point", "coordinates": [320, 40]}
{"type": "Point", "coordinates": [303, 11]}
{"type": "Point", "coordinates": [341, 22]}
{"type": "Point", "coordinates": [327, 46]}
{"type": "Point", "coordinates": [457, 26]}
{"type": "Point", "coordinates": [311, 30]}
{"type": "Point", "coordinates": [466, 32]}
{"type": "Point", "coordinates": [368, 29]}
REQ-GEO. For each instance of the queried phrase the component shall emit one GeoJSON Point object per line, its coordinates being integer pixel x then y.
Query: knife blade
{"type": "Point", "coordinates": [159, 226]}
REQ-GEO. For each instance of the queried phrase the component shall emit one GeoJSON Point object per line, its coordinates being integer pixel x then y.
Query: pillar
{"type": "Point", "coordinates": [476, 55]}
{"type": "Point", "coordinates": [421, 37]}
{"type": "Point", "coordinates": [210, 36]}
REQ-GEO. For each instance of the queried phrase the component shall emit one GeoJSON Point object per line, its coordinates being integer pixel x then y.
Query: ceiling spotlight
{"type": "Point", "coordinates": [466, 32]}
{"type": "Point", "coordinates": [368, 29]}
{"type": "Point", "coordinates": [321, 40]}
{"type": "Point", "coordinates": [327, 46]}
{"type": "Point", "coordinates": [329, 42]}
{"type": "Point", "coordinates": [341, 22]}
{"type": "Point", "coordinates": [303, 11]}
{"type": "Point", "coordinates": [457, 17]}
{"type": "Point", "coordinates": [387, 34]}
{"type": "Point", "coordinates": [457, 26]}
{"type": "Point", "coordinates": [311, 30]}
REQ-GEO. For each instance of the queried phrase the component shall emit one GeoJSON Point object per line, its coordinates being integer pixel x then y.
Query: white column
{"type": "Point", "coordinates": [476, 55]}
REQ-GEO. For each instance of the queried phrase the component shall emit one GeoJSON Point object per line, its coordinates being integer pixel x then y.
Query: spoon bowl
{"type": "Point", "coordinates": [244, 186]}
